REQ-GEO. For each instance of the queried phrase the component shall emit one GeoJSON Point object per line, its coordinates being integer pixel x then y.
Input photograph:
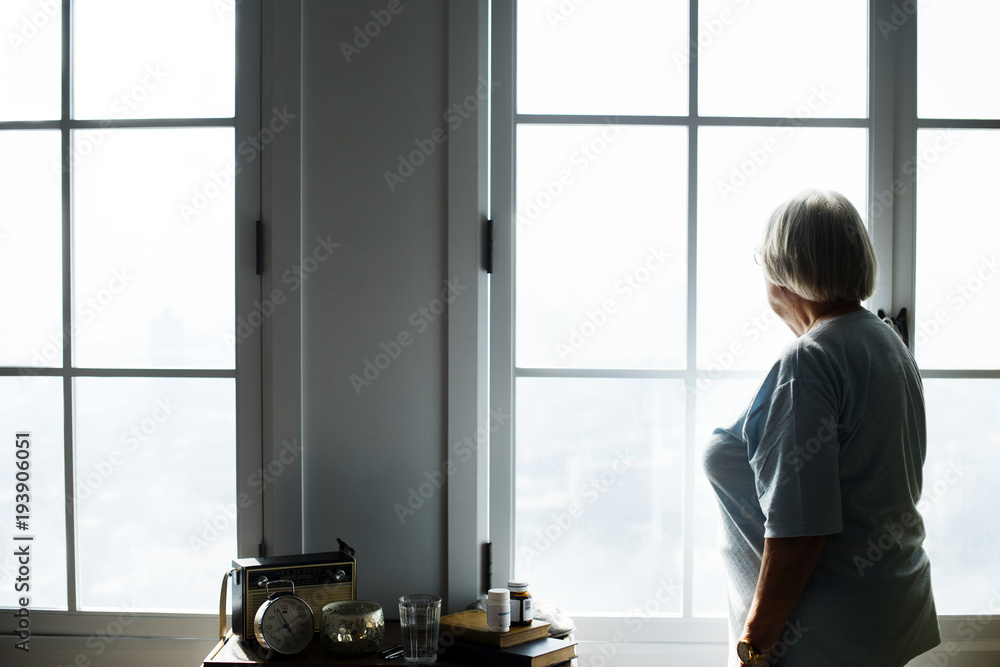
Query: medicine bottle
{"type": "Point", "coordinates": [520, 603]}
{"type": "Point", "coordinates": [498, 610]}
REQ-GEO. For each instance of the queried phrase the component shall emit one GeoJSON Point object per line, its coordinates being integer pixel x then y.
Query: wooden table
{"type": "Point", "coordinates": [237, 654]}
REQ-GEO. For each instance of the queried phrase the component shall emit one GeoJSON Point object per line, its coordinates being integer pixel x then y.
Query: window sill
{"type": "Point", "coordinates": [975, 653]}
{"type": "Point", "coordinates": [106, 651]}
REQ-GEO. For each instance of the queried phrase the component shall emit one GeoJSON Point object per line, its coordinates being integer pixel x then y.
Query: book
{"type": "Point", "coordinates": [470, 626]}
{"type": "Point", "coordinates": [538, 653]}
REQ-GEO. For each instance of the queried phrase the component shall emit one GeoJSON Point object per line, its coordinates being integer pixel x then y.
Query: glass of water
{"type": "Point", "coordinates": [419, 620]}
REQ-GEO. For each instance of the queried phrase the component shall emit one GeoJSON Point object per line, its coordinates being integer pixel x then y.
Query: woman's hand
{"type": "Point", "coordinates": [787, 564]}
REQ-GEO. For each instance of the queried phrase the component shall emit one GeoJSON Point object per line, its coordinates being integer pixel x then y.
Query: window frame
{"type": "Point", "coordinates": [69, 629]}
{"type": "Point", "coordinates": [891, 125]}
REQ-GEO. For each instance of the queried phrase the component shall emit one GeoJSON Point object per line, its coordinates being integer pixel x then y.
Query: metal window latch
{"type": "Point", "coordinates": [259, 245]}
{"type": "Point", "coordinates": [489, 246]}
{"type": "Point", "coordinates": [899, 324]}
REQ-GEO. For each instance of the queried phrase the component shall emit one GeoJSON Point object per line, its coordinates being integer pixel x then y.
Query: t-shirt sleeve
{"type": "Point", "coordinates": [794, 452]}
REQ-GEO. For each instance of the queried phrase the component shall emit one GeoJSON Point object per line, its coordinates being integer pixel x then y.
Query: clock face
{"type": "Point", "coordinates": [285, 624]}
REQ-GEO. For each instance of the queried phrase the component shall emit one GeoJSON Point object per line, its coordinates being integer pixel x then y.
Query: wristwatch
{"type": "Point", "coordinates": [749, 655]}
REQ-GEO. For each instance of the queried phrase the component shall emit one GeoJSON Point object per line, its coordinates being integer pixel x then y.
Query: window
{"type": "Point", "coordinates": [648, 143]}
{"type": "Point", "coordinates": [957, 289]}
{"type": "Point", "coordinates": [119, 355]}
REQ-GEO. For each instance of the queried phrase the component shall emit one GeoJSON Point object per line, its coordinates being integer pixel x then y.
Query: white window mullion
{"type": "Point", "coordinates": [881, 173]}
{"type": "Point", "coordinates": [249, 371]}
{"type": "Point", "coordinates": [502, 380]}
{"type": "Point", "coordinates": [691, 467]}
{"type": "Point", "coordinates": [903, 86]}
{"type": "Point", "coordinates": [66, 151]}
{"type": "Point", "coordinates": [468, 350]}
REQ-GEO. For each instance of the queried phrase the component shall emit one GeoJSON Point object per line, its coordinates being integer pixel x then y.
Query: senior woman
{"type": "Point", "coordinates": [819, 478]}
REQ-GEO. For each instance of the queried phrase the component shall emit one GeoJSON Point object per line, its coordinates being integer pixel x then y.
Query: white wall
{"type": "Point", "coordinates": [366, 442]}
{"type": "Point", "coordinates": [378, 360]}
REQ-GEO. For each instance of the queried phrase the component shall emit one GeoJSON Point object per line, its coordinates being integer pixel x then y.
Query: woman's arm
{"type": "Point", "coordinates": [786, 566]}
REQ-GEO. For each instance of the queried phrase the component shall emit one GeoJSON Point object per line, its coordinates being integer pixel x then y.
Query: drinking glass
{"type": "Point", "coordinates": [419, 620]}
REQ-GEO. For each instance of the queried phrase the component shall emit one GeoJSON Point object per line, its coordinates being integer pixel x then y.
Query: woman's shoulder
{"type": "Point", "coordinates": [859, 331]}
{"type": "Point", "coordinates": [850, 342]}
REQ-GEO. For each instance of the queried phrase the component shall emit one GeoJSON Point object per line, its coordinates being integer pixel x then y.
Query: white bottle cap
{"type": "Point", "coordinates": [499, 595]}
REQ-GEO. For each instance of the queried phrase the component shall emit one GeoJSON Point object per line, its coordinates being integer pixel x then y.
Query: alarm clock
{"type": "Point", "coordinates": [284, 623]}
{"type": "Point", "coordinates": [319, 578]}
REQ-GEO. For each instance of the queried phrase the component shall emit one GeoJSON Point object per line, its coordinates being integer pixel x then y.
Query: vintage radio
{"type": "Point", "coordinates": [319, 579]}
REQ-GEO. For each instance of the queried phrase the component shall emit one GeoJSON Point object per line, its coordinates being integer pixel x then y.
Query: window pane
{"type": "Point", "coordinates": [625, 57]}
{"type": "Point", "coordinates": [30, 60]}
{"type": "Point", "coordinates": [601, 259]}
{"type": "Point", "coordinates": [599, 472]}
{"type": "Point", "coordinates": [718, 403]}
{"type": "Point", "coordinates": [957, 59]}
{"type": "Point", "coordinates": [153, 248]}
{"type": "Point", "coordinates": [960, 493]}
{"type": "Point", "coordinates": [783, 58]}
{"type": "Point", "coordinates": [745, 173]}
{"type": "Point", "coordinates": [957, 285]}
{"type": "Point", "coordinates": [180, 62]}
{"type": "Point", "coordinates": [155, 492]}
{"type": "Point", "coordinates": [31, 249]}
{"type": "Point", "coordinates": [34, 405]}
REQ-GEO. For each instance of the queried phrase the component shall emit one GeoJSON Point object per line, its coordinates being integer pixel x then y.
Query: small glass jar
{"type": "Point", "coordinates": [498, 610]}
{"type": "Point", "coordinates": [521, 613]}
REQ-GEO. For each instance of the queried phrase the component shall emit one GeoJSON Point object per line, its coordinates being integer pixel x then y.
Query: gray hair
{"type": "Point", "coordinates": [817, 246]}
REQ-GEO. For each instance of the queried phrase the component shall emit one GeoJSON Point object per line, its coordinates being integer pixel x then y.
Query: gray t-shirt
{"type": "Point", "coordinates": [833, 443]}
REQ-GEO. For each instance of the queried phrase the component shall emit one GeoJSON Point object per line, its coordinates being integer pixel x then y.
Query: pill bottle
{"type": "Point", "coordinates": [520, 604]}
{"type": "Point", "coordinates": [498, 610]}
